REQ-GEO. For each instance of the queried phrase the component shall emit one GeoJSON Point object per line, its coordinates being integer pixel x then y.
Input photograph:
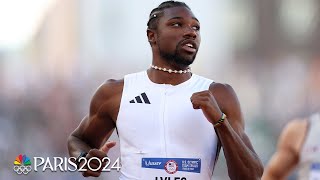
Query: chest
{"type": "Point", "coordinates": [161, 115]}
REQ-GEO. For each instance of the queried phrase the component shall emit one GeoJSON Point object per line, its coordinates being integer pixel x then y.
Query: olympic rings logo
{"type": "Point", "coordinates": [22, 169]}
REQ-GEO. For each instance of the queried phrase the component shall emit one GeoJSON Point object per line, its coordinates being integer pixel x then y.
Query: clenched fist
{"type": "Point", "coordinates": [205, 101]}
{"type": "Point", "coordinates": [97, 153]}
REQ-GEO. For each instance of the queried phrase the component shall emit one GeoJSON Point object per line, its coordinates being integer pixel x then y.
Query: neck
{"type": "Point", "coordinates": [162, 62]}
{"type": "Point", "coordinates": [161, 77]}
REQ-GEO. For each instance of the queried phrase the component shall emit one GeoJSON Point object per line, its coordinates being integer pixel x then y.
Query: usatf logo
{"type": "Point", "coordinates": [171, 167]}
{"type": "Point", "coordinates": [22, 164]}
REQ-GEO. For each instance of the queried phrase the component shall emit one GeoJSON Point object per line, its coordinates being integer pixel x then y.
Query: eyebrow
{"type": "Point", "coordinates": [182, 18]}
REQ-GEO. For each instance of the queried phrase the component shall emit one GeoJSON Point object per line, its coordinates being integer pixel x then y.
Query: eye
{"type": "Point", "coordinates": [176, 24]}
{"type": "Point", "coordinates": [197, 28]}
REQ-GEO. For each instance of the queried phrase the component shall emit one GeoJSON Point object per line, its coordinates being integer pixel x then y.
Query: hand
{"type": "Point", "coordinates": [205, 101]}
{"type": "Point", "coordinates": [100, 154]}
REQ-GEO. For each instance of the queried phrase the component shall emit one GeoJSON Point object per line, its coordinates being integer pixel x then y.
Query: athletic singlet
{"type": "Point", "coordinates": [161, 136]}
{"type": "Point", "coordinates": [309, 165]}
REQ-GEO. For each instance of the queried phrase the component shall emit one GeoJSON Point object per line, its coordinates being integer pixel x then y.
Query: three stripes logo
{"type": "Point", "coordinates": [138, 99]}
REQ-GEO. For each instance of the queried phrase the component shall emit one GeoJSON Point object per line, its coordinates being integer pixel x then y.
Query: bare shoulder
{"type": "Point", "coordinates": [295, 127]}
{"type": "Point", "coordinates": [108, 92]}
{"type": "Point", "coordinates": [111, 86]}
{"type": "Point", "coordinates": [225, 96]}
{"type": "Point", "coordinates": [221, 88]}
{"type": "Point", "coordinates": [293, 135]}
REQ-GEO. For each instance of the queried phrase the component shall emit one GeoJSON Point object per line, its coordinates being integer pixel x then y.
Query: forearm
{"type": "Point", "coordinates": [242, 162]}
{"type": "Point", "coordinates": [76, 146]}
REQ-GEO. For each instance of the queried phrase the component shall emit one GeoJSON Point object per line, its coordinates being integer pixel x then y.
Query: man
{"type": "Point", "coordinates": [298, 146]}
{"type": "Point", "coordinates": [171, 123]}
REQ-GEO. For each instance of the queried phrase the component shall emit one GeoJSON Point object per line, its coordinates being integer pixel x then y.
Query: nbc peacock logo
{"type": "Point", "coordinates": [22, 164]}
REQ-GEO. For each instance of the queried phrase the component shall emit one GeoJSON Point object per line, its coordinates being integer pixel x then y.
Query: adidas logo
{"type": "Point", "coordinates": [138, 99]}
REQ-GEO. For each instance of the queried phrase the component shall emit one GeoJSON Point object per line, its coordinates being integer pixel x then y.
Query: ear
{"type": "Point", "coordinates": [151, 36]}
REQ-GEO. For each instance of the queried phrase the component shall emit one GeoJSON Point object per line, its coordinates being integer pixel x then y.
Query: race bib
{"type": "Point", "coordinates": [173, 165]}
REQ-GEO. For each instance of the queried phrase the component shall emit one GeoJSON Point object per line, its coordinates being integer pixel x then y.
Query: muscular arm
{"type": "Point", "coordinates": [242, 161]}
{"type": "Point", "coordinates": [97, 127]}
{"type": "Point", "coordinates": [286, 157]}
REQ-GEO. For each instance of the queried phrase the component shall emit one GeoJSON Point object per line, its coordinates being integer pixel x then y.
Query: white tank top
{"type": "Point", "coordinates": [309, 165]}
{"type": "Point", "coordinates": [161, 136]}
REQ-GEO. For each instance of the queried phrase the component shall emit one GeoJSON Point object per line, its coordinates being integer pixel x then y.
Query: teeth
{"type": "Point", "coordinates": [189, 45]}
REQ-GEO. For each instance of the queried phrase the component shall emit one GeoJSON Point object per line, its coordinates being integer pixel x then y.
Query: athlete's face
{"type": "Point", "coordinates": [178, 36]}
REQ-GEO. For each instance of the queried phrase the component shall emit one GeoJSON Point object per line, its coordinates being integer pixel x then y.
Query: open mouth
{"type": "Point", "coordinates": [189, 47]}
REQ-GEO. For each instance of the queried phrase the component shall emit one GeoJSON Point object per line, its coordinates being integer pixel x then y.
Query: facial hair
{"type": "Point", "coordinates": [175, 58]}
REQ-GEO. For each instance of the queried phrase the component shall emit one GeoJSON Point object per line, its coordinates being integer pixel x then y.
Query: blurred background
{"type": "Point", "coordinates": [55, 53]}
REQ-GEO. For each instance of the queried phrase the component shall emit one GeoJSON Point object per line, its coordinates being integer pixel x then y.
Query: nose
{"type": "Point", "coordinates": [190, 33]}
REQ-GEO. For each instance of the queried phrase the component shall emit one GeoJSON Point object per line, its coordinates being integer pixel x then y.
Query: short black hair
{"type": "Point", "coordinates": [157, 12]}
